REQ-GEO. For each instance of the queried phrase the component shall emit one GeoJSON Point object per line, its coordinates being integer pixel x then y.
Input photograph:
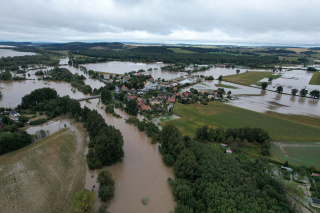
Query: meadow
{"type": "Point", "coordinates": [315, 80]}
{"type": "Point", "coordinates": [297, 152]}
{"type": "Point", "coordinates": [217, 114]}
{"type": "Point", "coordinates": [246, 78]}
{"type": "Point", "coordinates": [44, 176]}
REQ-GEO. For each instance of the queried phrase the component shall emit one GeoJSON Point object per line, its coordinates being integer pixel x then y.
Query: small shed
{"type": "Point", "coordinates": [229, 151]}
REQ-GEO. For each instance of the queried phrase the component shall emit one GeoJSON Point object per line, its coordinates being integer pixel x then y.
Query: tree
{"type": "Point", "coordinates": [264, 85]}
{"type": "Point", "coordinates": [311, 69]}
{"type": "Point", "coordinates": [315, 94]}
{"type": "Point", "coordinates": [106, 96]}
{"type": "Point", "coordinates": [294, 92]}
{"type": "Point", "coordinates": [220, 78]}
{"type": "Point", "coordinates": [132, 107]}
{"type": "Point", "coordinates": [106, 188]}
{"type": "Point", "coordinates": [279, 89]}
{"type": "Point", "coordinates": [83, 201]}
{"type": "Point", "coordinates": [303, 92]}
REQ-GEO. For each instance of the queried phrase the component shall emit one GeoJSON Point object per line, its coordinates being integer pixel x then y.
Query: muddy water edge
{"type": "Point", "coordinates": [141, 174]}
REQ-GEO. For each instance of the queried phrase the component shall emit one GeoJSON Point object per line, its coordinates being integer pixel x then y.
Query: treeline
{"type": "Point", "coordinates": [208, 180]}
{"type": "Point", "coordinates": [63, 74]}
{"type": "Point", "coordinates": [187, 58]}
{"type": "Point", "coordinates": [10, 141]}
{"type": "Point", "coordinates": [81, 46]}
{"type": "Point", "coordinates": [13, 63]}
{"type": "Point", "coordinates": [221, 135]}
{"type": "Point", "coordinates": [106, 142]}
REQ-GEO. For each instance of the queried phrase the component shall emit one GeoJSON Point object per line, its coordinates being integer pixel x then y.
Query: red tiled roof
{"type": "Point", "coordinates": [143, 107]}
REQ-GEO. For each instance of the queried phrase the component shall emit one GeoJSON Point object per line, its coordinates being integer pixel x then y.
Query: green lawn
{"type": "Point", "coordinates": [297, 152]}
{"type": "Point", "coordinates": [315, 80]}
{"type": "Point", "coordinates": [247, 78]}
{"type": "Point", "coordinates": [217, 114]}
{"type": "Point", "coordinates": [226, 86]}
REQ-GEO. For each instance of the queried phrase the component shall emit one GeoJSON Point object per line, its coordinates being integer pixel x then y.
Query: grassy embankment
{"type": "Point", "coordinates": [246, 78]}
{"type": "Point", "coordinates": [217, 114]}
{"type": "Point", "coordinates": [315, 80]}
{"type": "Point", "coordinates": [44, 176]}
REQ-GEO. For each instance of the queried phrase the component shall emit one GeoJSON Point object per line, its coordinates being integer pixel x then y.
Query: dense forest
{"type": "Point", "coordinates": [208, 180]}
{"type": "Point", "coordinates": [149, 55]}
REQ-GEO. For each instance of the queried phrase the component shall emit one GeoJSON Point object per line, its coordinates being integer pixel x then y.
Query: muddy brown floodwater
{"type": "Point", "coordinates": [141, 173]}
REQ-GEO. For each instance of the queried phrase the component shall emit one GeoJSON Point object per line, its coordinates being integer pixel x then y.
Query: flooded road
{"type": "Point", "coordinates": [141, 173]}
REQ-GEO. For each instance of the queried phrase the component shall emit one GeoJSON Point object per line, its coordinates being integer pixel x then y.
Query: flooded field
{"type": "Point", "coordinates": [294, 79]}
{"type": "Point", "coordinates": [13, 91]}
{"type": "Point", "coordinates": [281, 103]}
{"type": "Point", "coordinates": [12, 53]}
{"type": "Point", "coordinates": [50, 127]}
{"type": "Point", "coordinates": [141, 173]}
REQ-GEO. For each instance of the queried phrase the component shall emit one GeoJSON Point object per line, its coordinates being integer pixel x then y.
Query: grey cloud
{"type": "Point", "coordinates": [273, 21]}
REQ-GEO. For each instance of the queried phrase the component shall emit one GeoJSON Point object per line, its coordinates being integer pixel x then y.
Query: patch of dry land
{"type": "Point", "coordinates": [44, 176]}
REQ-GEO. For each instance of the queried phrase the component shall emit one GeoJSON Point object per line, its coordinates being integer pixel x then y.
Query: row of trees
{"type": "Point", "coordinates": [207, 180]}
{"type": "Point", "coordinates": [303, 92]}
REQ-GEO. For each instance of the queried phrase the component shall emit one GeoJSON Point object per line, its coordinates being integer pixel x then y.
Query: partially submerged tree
{"type": "Point", "coordinates": [264, 85]}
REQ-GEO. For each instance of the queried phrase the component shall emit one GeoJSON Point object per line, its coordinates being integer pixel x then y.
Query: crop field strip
{"type": "Point", "coordinates": [45, 175]}
{"type": "Point", "coordinates": [217, 114]}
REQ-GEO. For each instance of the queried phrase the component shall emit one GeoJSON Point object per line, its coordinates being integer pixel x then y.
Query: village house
{"type": "Point", "coordinates": [144, 107]}
{"type": "Point", "coordinates": [124, 88]}
{"type": "Point", "coordinates": [154, 102]}
{"type": "Point", "coordinates": [14, 113]}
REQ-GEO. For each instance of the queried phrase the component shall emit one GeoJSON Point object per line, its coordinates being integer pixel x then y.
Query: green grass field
{"type": "Point", "coordinates": [246, 78]}
{"type": "Point", "coordinates": [44, 176]}
{"type": "Point", "coordinates": [274, 76]}
{"type": "Point", "coordinates": [315, 80]}
{"type": "Point", "coordinates": [297, 152]}
{"type": "Point", "coordinates": [226, 86]}
{"type": "Point", "coordinates": [179, 50]}
{"type": "Point", "coordinates": [217, 114]}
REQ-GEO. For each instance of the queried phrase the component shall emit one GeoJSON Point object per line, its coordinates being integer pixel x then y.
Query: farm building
{"type": "Point", "coordinates": [315, 202]}
{"type": "Point", "coordinates": [287, 168]}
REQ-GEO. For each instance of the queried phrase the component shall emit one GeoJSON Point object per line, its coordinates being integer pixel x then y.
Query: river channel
{"type": "Point", "coordinates": [141, 174]}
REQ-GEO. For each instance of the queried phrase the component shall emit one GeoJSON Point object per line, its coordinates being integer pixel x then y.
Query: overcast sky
{"type": "Point", "coordinates": [242, 22]}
